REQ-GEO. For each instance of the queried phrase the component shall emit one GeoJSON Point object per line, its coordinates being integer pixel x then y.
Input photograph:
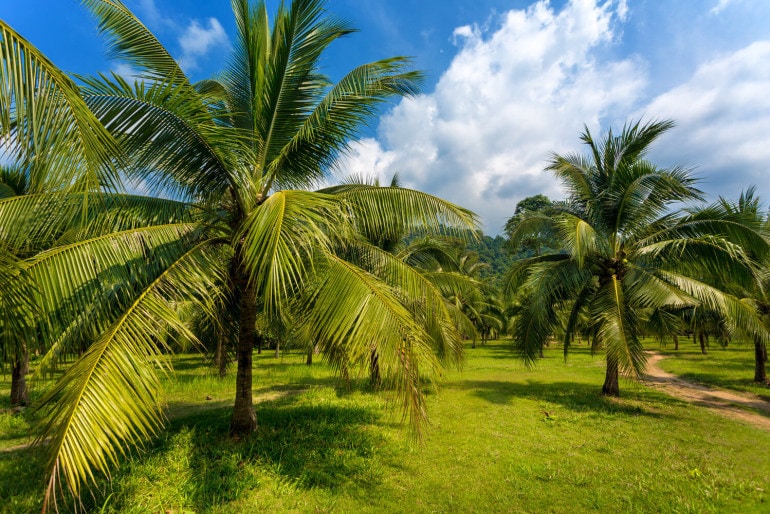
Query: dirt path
{"type": "Point", "coordinates": [730, 404]}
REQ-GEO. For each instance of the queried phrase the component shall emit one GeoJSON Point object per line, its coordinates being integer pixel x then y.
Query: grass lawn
{"type": "Point", "coordinates": [730, 368]}
{"type": "Point", "coordinates": [503, 439]}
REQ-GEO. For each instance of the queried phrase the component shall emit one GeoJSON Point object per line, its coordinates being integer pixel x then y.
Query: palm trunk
{"type": "Point", "coordinates": [676, 342]}
{"type": "Point", "coordinates": [220, 357]}
{"type": "Point", "coordinates": [702, 339]}
{"type": "Point", "coordinates": [760, 371]}
{"type": "Point", "coordinates": [277, 348]}
{"type": "Point", "coordinates": [244, 420]}
{"type": "Point", "coordinates": [375, 380]}
{"type": "Point", "coordinates": [19, 389]}
{"type": "Point", "coordinates": [611, 385]}
{"type": "Point", "coordinates": [309, 360]}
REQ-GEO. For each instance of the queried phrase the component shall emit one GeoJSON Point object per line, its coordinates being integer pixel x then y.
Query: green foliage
{"type": "Point", "coordinates": [538, 241]}
{"type": "Point", "coordinates": [494, 252]}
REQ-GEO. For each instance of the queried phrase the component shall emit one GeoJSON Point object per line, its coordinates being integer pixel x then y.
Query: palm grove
{"type": "Point", "coordinates": [233, 231]}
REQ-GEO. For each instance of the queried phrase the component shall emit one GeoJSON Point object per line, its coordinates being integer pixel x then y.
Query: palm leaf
{"type": "Point", "coordinates": [111, 396]}
{"type": "Point", "coordinates": [46, 125]}
{"type": "Point", "coordinates": [279, 239]}
{"type": "Point", "coordinates": [351, 307]}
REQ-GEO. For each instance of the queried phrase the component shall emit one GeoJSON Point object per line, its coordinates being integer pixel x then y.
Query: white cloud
{"type": "Point", "coordinates": [128, 72]}
{"type": "Point", "coordinates": [723, 118]}
{"type": "Point", "coordinates": [152, 16]}
{"type": "Point", "coordinates": [509, 97]}
{"type": "Point", "coordinates": [720, 6]}
{"type": "Point", "coordinates": [197, 40]}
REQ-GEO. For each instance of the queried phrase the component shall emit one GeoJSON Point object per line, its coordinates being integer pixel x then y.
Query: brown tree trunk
{"type": "Point", "coordinates": [19, 389]}
{"type": "Point", "coordinates": [220, 357]}
{"type": "Point", "coordinates": [375, 380]}
{"type": "Point", "coordinates": [244, 420]}
{"type": "Point", "coordinates": [760, 371]}
{"type": "Point", "coordinates": [309, 360]}
{"type": "Point", "coordinates": [676, 342]}
{"type": "Point", "coordinates": [611, 385]}
{"type": "Point", "coordinates": [702, 339]}
{"type": "Point", "coordinates": [277, 348]}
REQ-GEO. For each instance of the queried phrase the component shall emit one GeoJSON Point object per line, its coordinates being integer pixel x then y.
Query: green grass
{"type": "Point", "coordinates": [731, 367]}
{"type": "Point", "coordinates": [503, 439]}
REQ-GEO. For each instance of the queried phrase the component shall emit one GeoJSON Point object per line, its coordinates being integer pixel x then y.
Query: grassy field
{"type": "Point", "coordinates": [503, 439]}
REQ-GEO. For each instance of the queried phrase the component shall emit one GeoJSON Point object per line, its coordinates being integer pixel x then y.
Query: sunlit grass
{"type": "Point", "coordinates": [503, 439]}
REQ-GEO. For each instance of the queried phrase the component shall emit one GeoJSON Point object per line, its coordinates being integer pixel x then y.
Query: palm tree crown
{"type": "Point", "coordinates": [625, 252]}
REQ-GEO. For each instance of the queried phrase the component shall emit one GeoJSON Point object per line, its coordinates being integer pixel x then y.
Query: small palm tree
{"type": "Point", "coordinates": [625, 252]}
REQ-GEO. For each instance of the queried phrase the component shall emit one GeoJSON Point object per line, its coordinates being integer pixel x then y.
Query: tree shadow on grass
{"type": "Point", "coordinates": [297, 445]}
{"type": "Point", "coordinates": [22, 480]}
{"type": "Point", "coordinates": [570, 395]}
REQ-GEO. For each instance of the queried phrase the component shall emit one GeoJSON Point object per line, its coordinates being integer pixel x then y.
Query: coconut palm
{"type": "Point", "coordinates": [418, 263]}
{"type": "Point", "coordinates": [747, 210]}
{"type": "Point", "coordinates": [626, 253]}
{"type": "Point", "coordinates": [228, 163]}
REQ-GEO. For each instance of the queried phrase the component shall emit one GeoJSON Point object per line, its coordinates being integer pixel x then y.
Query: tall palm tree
{"type": "Point", "coordinates": [626, 253]}
{"type": "Point", "coordinates": [229, 163]}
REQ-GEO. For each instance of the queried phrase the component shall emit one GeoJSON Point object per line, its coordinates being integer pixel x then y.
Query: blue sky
{"type": "Point", "coordinates": [509, 82]}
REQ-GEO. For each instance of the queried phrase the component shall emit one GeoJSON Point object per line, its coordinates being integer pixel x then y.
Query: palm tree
{"type": "Point", "coordinates": [626, 253]}
{"type": "Point", "coordinates": [229, 162]}
{"type": "Point", "coordinates": [419, 263]}
{"type": "Point", "coordinates": [747, 211]}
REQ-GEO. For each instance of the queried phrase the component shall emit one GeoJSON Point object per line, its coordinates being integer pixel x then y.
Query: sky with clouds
{"type": "Point", "coordinates": [510, 81]}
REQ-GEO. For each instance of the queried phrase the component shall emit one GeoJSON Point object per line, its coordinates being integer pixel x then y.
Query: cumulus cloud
{"type": "Point", "coordinates": [510, 96]}
{"type": "Point", "coordinates": [723, 118]}
{"type": "Point", "coordinates": [197, 40]}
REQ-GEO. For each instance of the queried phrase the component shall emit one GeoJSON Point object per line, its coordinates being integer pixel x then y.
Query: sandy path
{"type": "Point", "coordinates": [727, 403]}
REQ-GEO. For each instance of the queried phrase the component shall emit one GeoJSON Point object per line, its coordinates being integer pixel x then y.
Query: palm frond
{"type": "Point", "coordinates": [352, 307]}
{"type": "Point", "coordinates": [130, 41]}
{"type": "Point", "coordinates": [422, 293]}
{"type": "Point", "coordinates": [391, 212]}
{"type": "Point", "coordinates": [618, 329]}
{"type": "Point", "coordinates": [279, 239]}
{"type": "Point", "coordinates": [176, 147]}
{"type": "Point", "coordinates": [111, 396]}
{"type": "Point", "coordinates": [45, 124]}
{"type": "Point", "coordinates": [313, 147]}
{"type": "Point", "coordinates": [71, 277]}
